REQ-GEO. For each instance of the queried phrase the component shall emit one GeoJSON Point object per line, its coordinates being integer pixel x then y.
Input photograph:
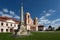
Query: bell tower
{"type": "Point", "coordinates": [36, 23]}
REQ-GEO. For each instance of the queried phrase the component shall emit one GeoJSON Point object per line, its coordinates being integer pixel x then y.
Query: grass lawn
{"type": "Point", "coordinates": [34, 36]}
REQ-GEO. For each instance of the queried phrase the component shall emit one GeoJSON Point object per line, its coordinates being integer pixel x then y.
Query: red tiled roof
{"type": "Point", "coordinates": [7, 18]}
{"type": "Point", "coordinates": [41, 26]}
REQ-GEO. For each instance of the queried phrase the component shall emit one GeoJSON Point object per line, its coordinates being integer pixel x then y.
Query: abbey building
{"type": "Point", "coordinates": [10, 24]}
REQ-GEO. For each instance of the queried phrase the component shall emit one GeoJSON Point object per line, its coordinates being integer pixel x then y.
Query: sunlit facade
{"type": "Point", "coordinates": [9, 24]}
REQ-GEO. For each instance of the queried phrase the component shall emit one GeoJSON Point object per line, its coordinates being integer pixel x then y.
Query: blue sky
{"type": "Point", "coordinates": [47, 11]}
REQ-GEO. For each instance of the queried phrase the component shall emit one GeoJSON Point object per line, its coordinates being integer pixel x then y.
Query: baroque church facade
{"type": "Point", "coordinates": [31, 24]}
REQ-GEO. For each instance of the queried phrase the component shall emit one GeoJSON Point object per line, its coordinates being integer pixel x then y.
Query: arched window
{"type": "Point", "coordinates": [34, 22]}
{"type": "Point", "coordinates": [11, 30]}
{"type": "Point", "coordinates": [6, 30]}
{"type": "Point", "coordinates": [11, 24]}
{"type": "Point", "coordinates": [7, 24]}
{"type": "Point", "coordinates": [28, 16]}
{"type": "Point", "coordinates": [1, 30]}
{"type": "Point", "coordinates": [2, 24]}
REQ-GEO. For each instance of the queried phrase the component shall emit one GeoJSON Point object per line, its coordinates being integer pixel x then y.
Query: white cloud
{"type": "Point", "coordinates": [51, 10]}
{"type": "Point", "coordinates": [44, 21]}
{"type": "Point", "coordinates": [1, 12]}
{"type": "Point", "coordinates": [44, 11]}
{"type": "Point", "coordinates": [7, 15]}
{"type": "Point", "coordinates": [12, 12]}
{"type": "Point", "coordinates": [5, 10]}
{"type": "Point", "coordinates": [17, 17]}
{"type": "Point", "coordinates": [56, 23]}
{"type": "Point", "coordinates": [43, 17]}
{"type": "Point", "coordinates": [56, 20]}
{"type": "Point", "coordinates": [48, 14]}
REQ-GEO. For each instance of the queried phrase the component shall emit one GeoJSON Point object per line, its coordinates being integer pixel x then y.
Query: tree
{"type": "Point", "coordinates": [50, 28]}
{"type": "Point", "coordinates": [58, 29]}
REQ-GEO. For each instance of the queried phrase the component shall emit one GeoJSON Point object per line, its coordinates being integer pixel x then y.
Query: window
{"type": "Point", "coordinates": [7, 24]}
{"type": "Point", "coordinates": [6, 30]}
{"type": "Point", "coordinates": [11, 24]}
{"type": "Point", "coordinates": [28, 16]}
{"type": "Point", "coordinates": [1, 23]}
{"type": "Point", "coordinates": [1, 30]}
{"type": "Point", "coordinates": [14, 25]}
{"type": "Point", "coordinates": [11, 30]}
{"type": "Point", "coordinates": [34, 22]}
